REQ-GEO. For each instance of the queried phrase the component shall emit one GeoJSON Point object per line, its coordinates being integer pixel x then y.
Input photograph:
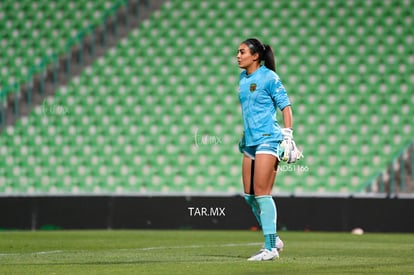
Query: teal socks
{"type": "Point", "coordinates": [270, 241]}
{"type": "Point", "coordinates": [264, 209]}
{"type": "Point", "coordinates": [251, 200]}
{"type": "Point", "coordinates": [268, 215]}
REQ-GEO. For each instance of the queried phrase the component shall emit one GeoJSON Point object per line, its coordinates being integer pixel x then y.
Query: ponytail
{"type": "Point", "coordinates": [265, 52]}
{"type": "Point", "coordinates": [269, 58]}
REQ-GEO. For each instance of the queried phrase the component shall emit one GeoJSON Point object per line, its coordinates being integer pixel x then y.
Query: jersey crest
{"type": "Point", "coordinates": [253, 87]}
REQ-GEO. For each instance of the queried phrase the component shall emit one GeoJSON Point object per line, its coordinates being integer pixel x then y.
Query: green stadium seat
{"type": "Point", "coordinates": [40, 29]}
{"type": "Point", "coordinates": [132, 119]}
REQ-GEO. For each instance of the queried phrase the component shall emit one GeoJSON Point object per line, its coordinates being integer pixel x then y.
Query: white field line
{"type": "Point", "coordinates": [198, 246]}
{"type": "Point", "coordinates": [137, 249]}
{"type": "Point", "coordinates": [32, 253]}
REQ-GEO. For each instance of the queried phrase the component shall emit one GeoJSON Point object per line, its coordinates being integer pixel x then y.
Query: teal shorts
{"type": "Point", "coordinates": [270, 148]}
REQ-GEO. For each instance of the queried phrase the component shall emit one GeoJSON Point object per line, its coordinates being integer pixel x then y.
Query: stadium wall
{"type": "Point", "coordinates": [198, 212]}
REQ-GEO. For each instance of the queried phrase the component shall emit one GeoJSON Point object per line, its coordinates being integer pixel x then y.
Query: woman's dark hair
{"type": "Point", "coordinates": [265, 52]}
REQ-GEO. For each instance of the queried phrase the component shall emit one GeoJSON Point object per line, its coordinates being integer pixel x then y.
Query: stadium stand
{"type": "Point", "coordinates": [159, 112]}
{"type": "Point", "coordinates": [31, 30]}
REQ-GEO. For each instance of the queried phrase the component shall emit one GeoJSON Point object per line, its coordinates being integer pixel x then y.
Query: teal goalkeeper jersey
{"type": "Point", "coordinates": [260, 94]}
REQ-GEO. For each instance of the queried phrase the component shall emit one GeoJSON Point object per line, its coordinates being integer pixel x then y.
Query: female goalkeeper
{"type": "Point", "coordinates": [264, 142]}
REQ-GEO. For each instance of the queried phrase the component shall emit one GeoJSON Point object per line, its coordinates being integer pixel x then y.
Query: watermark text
{"type": "Point", "coordinates": [207, 211]}
{"type": "Point", "coordinates": [54, 109]}
{"type": "Point", "coordinates": [200, 140]}
{"type": "Point", "coordinates": [292, 168]}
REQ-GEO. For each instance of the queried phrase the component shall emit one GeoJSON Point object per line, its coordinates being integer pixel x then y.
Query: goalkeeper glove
{"type": "Point", "coordinates": [290, 152]}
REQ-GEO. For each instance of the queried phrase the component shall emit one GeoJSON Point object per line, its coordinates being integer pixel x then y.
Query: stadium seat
{"type": "Point", "coordinates": [159, 112]}
{"type": "Point", "coordinates": [34, 30]}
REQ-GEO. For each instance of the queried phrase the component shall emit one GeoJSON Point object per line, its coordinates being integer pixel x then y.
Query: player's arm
{"type": "Point", "coordinates": [279, 96]}
{"type": "Point", "coordinates": [287, 117]}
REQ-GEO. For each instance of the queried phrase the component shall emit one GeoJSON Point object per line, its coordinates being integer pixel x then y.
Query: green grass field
{"type": "Point", "coordinates": [200, 252]}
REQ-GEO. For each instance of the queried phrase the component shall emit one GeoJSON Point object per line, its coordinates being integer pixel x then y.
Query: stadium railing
{"type": "Point", "coordinates": [398, 177]}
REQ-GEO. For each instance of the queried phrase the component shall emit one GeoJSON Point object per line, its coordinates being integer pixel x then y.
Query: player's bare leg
{"type": "Point", "coordinates": [248, 186]}
{"type": "Point", "coordinates": [264, 174]}
{"type": "Point", "coordinates": [247, 173]}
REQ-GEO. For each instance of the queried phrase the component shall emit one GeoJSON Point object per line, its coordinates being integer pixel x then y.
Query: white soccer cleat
{"type": "Point", "coordinates": [265, 255]}
{"type": "Point", "coordinates": [279, 244]}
